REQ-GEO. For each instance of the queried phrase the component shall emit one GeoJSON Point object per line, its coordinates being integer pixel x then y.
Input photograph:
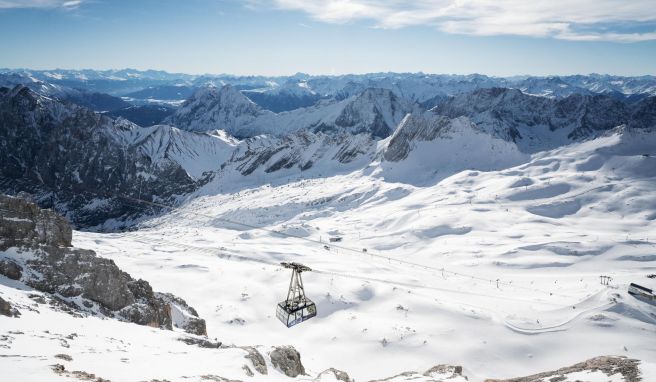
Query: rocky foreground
{"type": "Point", "coordinates": [36, 251]}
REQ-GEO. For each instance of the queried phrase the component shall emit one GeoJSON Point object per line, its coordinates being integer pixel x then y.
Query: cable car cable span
{"type": "Point", "coordinates": [342, 247]}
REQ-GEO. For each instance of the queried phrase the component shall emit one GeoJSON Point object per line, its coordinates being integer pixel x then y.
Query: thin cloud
{"type": "Point", "coordinates": [72, 4]}
{"type": "Point", "coordinates": [65, 4]}
{"type": "Point", "coordinates": [581, 20]}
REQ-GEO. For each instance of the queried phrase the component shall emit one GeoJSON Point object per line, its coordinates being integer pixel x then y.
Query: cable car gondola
{"type": "Point", "coordinates": [297, 307]}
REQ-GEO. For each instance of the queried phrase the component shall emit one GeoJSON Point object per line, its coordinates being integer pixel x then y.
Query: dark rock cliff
{"type": "Point", "coordinates": [35, 249]}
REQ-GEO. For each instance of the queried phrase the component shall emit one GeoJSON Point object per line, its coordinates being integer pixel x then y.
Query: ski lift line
{"type": "Point", "coordinates": [357, 251]}
{"type": "Point", "coordinates": [404, 262]}
{"type": "Point", "coordinates": [407, 285]}
{"type": "Point", "coordinates": [417, 286]}
{"type": "Point", "coordinates": [347, 275]}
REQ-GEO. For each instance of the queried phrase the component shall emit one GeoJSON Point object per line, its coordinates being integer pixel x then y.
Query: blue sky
{"type": "Point", "coordinates": [275, 37]}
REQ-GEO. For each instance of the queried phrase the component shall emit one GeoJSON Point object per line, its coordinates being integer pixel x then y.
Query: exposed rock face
{"type": "Point", "coordinates": [73, 272]}
{"type": "Point", "coordinates": [216, 378]}
{"type": "Point", "coordinates": [375, 111]}
{"type": "Point", "coordinates": [608, 365]}
{"type": "Point", "coordinates": [78, 161]}
{"type": "Point", "coordinates": [147, 309]}
{"type": "Point", "coordinates": [183, 315]}
{"type": "Point", "coordinates": [37, 251]}
{"type": "Point", "coordinates": [24, 223]}
{"type": "Point", "coordinates": [439, 373]}
{"type": "Point", "coordinates": [213, 108]}
{"type": "Point", "coordinates": [10, 269]}
{"type": "Point", "coordinates": [513, 115]}
{"type": "Point", "coordinates": [335, 374]}
{"type": "Point", "coordinates": [302, 151]}
{"type": "Point", "coordinates": [287, 360]}
{"type": "Point", "coordinates": [60, 369]}
{"type": "Point", "coordinates": [7, 310]}
{"type": "Point", "coordinates": [413, 128]}
{"type": "Point", "coordinates": [427, 146]}
{"type": "Point", "coordinates": [201, 342]}
{"type": "Point", "coordinates": [444, 371]}
{"type": "Point", "coordinates": [256, 358]}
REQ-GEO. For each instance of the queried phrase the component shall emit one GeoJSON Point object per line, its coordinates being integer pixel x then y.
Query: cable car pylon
{"type": "Point", "coordinates": [297, 307]}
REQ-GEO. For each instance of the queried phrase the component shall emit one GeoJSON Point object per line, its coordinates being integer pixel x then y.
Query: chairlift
{"type": "Point", "coordinates": [297, 307]}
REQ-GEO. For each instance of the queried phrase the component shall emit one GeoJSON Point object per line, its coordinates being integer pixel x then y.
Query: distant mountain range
{"type": "Point", "coordinates": [418, 87]}
{"type": "Point", "coordinates": [74, 148]}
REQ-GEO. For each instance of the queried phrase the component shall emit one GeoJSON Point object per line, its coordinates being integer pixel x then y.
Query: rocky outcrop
{"type": "Point", "coordinates": [439, 373]}
{"type": "Point", "coordinates": [444, 372]}
{"type": "Point", "coordinates": [7, 310]}
{"type": "Point", "coordinates": [72, 272]}
{"type": "Point", "coordinates": [24, 223]}
{"type": "Point", "coordinates": [10, 269]}
{"type": "Point", "coordinates": [38, 252]}
{"type": "Point", "coordinates": [333, 374]}
{"type": "Point", "coordinates": [201, 342]}
{"type": "Point", "coordinates": [287, 360]}
{"type": "Point", "coordinates": [213, 378]}
{"type": "Point", "coordinates": [60, 369]}
{"type": "Point", "coordinates": [608, 365]}
{"type": "Point", "coordinates": [183, 315]}
{"type": "Point", "coordinates": [256, 358]}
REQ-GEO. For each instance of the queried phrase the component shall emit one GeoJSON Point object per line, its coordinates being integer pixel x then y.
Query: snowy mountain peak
{"type": "Point", "coordinates": [536, 123]}
{"type": "Point", "coordinates": [427, 146]}
{"type": "Point", "coordinates": [376, 111]}
{"type": "Point", "coordinates": [226, 96]}
{"type": "Point", "coordinates": [211, 108]}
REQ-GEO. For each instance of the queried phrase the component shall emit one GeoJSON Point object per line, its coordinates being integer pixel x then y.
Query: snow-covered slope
{"type": "Point", "coordinates": [197, 153]}
{"type": "Point", "coordinates": [495, 270]}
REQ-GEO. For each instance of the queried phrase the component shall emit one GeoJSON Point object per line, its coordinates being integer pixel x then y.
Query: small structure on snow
{"type": "Point", "coordinates": [642, 293]}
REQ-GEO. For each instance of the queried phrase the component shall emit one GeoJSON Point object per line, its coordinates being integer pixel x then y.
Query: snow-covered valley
{"type": "Point", "coordinates": [497, 271]}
